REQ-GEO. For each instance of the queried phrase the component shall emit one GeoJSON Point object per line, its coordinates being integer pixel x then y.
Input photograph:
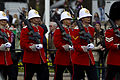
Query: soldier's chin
{"type": "Point", "coordinates": [4, 24]}
{"type": "Point", "coordinates": [88, 21]}
{"type": "Point", "coordinates": [68, 24]}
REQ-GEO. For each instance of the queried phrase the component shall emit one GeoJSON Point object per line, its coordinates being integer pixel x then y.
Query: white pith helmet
{"type": "Point", "coordinates": [33, 13]}
{"type": "Point", "coordinates": [84, 13]}
{"type": "Point", "coordinates": [3, 16]}
{"type": "Point", "coordinates": [65, 15]}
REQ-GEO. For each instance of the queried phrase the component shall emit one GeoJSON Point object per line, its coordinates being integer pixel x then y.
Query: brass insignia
{"type": "Point", "coordinates": [87, 11]}
{"type": "Point", "coordinates": [68, 14]}
{"type": "Point", "coordinates": [3, 14]}
{"type": "Point", "coordinates": [75, 37]}
{"type": "Point", "coordinates": [36, 12]}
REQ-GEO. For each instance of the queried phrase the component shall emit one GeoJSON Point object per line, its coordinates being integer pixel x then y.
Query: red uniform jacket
{"type": "Point", "coordinates": [29, 55]}
{"type": "Point", "coordinates": [5, 56]}
{"type": "Point", "coordinates": [79, 56]}
{"type": "Point", "coordinates": [62, 57]}
{"type": "Point", "coordinates": [111, 41]}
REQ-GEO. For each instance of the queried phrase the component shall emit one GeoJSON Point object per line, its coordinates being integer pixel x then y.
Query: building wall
{"type": "Point", "coordinates": [108, 4]}
{"type": "Point", "coordinates": [13, 7]}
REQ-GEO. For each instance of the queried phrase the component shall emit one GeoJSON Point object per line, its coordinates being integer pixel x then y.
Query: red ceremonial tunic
{"type": "Point", "coordinates": [111, 41]}
{"type": "Point", "coordinates": [5, 56]}
{"type": "Point", "coordinates": [79, 56]}
{"type": "Point", "coordinates": [30, 56]}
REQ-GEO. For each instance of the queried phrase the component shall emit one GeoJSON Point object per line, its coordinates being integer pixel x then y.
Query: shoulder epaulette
{"type": "Point", "coordinates": [76, 27]}
{"type": "Point", "coordinates": [25, 27]}
{"type": "Point", "coordinates": [90, 26]}
{"type": "Point", "coordinates": [57, 28]}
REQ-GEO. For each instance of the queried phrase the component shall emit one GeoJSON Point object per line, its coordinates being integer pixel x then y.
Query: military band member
{"type": "Point", "coordinates": [112, 41]}
{"type": "Point", "coordinates": [82, 58]}
{"type": "Point", "coordinates": [34, 56]}
{"type": "Point", "coordinates": [5, 44]}
{"type": "Point", "coordinates": [63, 56]}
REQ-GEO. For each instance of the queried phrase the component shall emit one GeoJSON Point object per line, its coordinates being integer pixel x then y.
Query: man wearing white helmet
{"type": "Point", "coordinates": [34, 56]}
{"type": "Point", "coordinates": [63, 56]}
{"type": "Point", "coordinates": [5, 44]}
{"type": "Point", "coordinates": [82, 50]}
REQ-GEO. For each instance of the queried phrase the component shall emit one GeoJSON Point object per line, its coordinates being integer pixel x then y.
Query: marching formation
{"type": "Point", "coordinates": [73, 44]}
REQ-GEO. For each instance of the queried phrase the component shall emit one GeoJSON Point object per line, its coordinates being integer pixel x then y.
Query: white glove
{"type": "Point", "coordinates": [2, 47]}
{"type": "Point", "coordinates": [66, 47]}
{"type": "Point", "coordinates": [85, 49]}
{"type": "Point", "coordinates": [39, 46]}
{"type": "Point", "coordinates": [33, 47]}
{"type": "Point", "coordinates": [7, 45]}
{"type": "Point", "coordinates": [90, 46]}
{"type": "Point", "coordinates": [70, 47]}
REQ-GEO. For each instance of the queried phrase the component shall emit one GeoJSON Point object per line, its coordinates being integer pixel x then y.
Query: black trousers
{"type": "Point", "coordinates": [11, 71]}
{"type": "Point", "coordinates": [59, 69]}
{"type": "Point", "coordinates": [52, 57]}
{"type": "Point", "coordinates": [112, 71]}
{"type": "Point", "coordinates": [40, 69]}
{"type": "Point", "coordinates": [79, 74]}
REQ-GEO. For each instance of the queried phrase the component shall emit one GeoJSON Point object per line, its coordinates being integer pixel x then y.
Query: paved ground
{"type": "Point", "coordinates": [66, 76]}
{"type": "Point", "coordinates": [51, 78]}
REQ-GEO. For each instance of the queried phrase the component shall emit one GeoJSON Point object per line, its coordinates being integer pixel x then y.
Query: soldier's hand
{"type": "Point", "coordinates": [90, 46]}
{"type": "Point", "coordinates": [7, 45]}
{"type": "Point", "coordinates": [39, 46]}
{"type": "Point", "coordinates": [66, 47]}
{"type": "Point", "coordinates": [71, 47]}
{"type": "Point", "coordinates": [85, 49]}
{"type": "Point", "coordinates": [33, 47]}
{"type": "Point", "coordinates": [2, 47]}
{"type": "Point", "coordinates": [118, 46]}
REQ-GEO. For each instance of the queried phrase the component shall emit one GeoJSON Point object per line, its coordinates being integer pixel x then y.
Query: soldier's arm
{"type": "Point", "coordinates": [109, 40]}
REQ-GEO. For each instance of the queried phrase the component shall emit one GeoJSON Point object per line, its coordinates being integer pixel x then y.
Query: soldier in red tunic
{"type": "Point", "coordinates": [112, 41]}
{"type": "Point", "coordinates": [34, 56]}
{"type": "Point", "coordinates": [5, 44]}
{"type": "Point", "coordinates": [82, 58]}
{"type": "Point", "coordinates": [63, 53]}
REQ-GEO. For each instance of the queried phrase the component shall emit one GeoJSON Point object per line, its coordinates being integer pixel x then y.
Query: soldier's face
{"type": "Point", "coordinates": [67, 22]}
{"type": "Point", "coordinates": [35, 20]}
{"type": "Point", "coordinates": [3, 22]}
{"type": "Point", "coordinates": [86, 20]}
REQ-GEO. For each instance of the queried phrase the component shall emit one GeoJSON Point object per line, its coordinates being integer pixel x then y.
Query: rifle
{"type": "Point", "coordinates": [115, 28]}
{"type": "Point", "coordinates": [35, 35]}
{"type": "Point", "coordinates": [66, 36]}
{"type": "Point", "coordinates": [3, 36]}
{"type": "Point", "coordinates": [85, 35]}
